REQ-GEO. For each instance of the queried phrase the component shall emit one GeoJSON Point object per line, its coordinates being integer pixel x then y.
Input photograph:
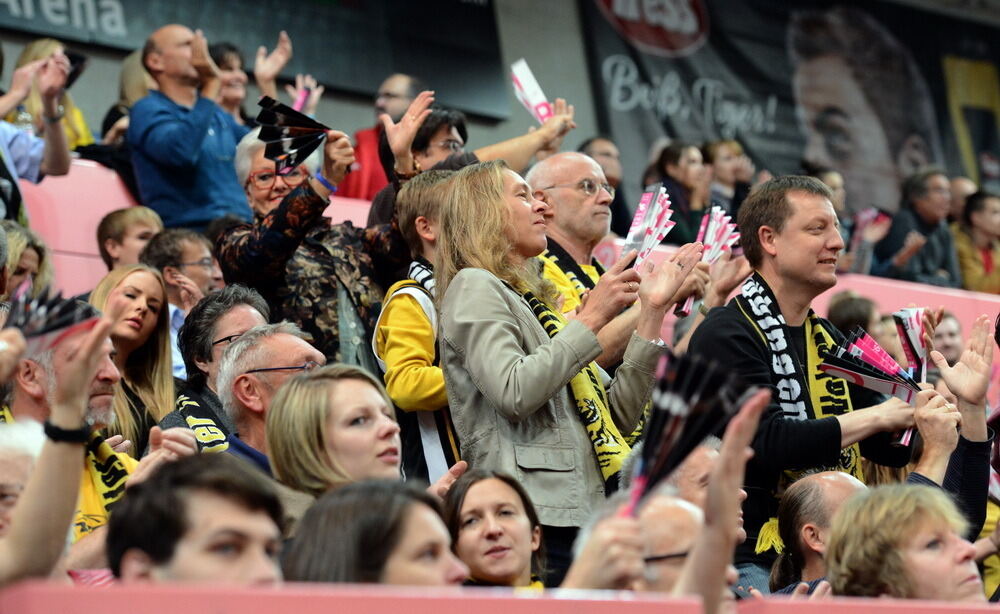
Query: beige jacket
{"type": "Point", "coordinates": [507, 391]}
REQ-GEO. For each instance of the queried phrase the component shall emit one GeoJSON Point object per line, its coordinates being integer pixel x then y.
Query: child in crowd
{"type": "Point", "coordinates": [405, 341]}
{"type": "Point", "coordinates": [123, 233]}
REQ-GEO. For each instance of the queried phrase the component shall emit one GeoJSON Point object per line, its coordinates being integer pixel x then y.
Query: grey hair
{"type": "Point", "coordinates": [3, 248]}
{"type": "Point", "coordinates": [248, 147]}
{"type": "Point", "coordinates": [23, 438]}
{"type": "Point", "coordinates": [244, 354]}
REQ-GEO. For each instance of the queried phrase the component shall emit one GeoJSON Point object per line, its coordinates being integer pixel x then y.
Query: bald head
{"type": "Point", "coordinates": [669, 526]}
{"type": "Point", "coordinates": [577, 217]}
{"type": "Point", "coordinates": [815, 499]}
{"type": "Point", "coordinates": [167, 55]}
{"type": "Point", "coordinates": [961, 189]}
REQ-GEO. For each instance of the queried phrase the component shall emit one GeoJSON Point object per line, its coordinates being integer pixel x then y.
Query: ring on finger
{"type": "Point", "coordinates": [679, 265]}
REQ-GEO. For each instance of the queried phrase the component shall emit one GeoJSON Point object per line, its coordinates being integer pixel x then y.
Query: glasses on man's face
{"type": "Point", "coordinates": [264, 180]}
{"type": "Point", "coordinates": [665, 557]}
{"type": "Point", "coordinates": [587, 186]}
{"type": "Point", "coordinates": [227, 339]}
{"type": "Point", "coordinates": [308, 366]}
{"type": "Point", "coordinates": [205, 263]}
{"type": "Point", "coordinates": [452, 145]}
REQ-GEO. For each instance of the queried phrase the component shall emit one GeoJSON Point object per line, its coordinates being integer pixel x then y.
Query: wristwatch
{"type": "Point", "coordinates": [80, 435]}
{"type": "Point", "coordinates": [60, 113]}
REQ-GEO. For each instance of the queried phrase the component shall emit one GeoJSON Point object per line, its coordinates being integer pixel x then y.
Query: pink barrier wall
{"type": "Point", "coordinates": [37, 598]}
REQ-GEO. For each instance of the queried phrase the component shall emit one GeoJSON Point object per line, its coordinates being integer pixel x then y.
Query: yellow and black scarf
{"type": "Point", "coordinates": [106, 470]}
{"type": "Point", "coordinates": [558, 256]}
{"type": "Point", "coordinates": [803, 391]}
{"type": "Point", "coordinates": [591, 399]}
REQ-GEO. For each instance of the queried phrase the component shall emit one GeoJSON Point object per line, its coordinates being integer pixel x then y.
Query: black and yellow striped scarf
{"type": "Point", "coordinates": [591, 399]}
{"type": "Point", "coordinates": [106, 470]}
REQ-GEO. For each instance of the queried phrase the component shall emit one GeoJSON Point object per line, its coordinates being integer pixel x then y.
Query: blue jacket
{"type": "Point", "coordinates": [183, 160]}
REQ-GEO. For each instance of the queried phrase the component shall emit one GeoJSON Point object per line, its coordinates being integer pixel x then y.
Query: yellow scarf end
{"type": "Point", "coordinates": [769, 538]}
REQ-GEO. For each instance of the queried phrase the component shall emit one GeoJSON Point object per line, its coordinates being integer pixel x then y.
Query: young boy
{"type": "Point", "coordinates": [405, 341]}
{"type": "Point", "coordinates": [123, 233]}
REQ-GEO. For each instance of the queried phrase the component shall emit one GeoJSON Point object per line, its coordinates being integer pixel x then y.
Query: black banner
{"type": "Point", "coordinates": [872, 89]}
{"type": "Point", "coordinates": [348, 45]}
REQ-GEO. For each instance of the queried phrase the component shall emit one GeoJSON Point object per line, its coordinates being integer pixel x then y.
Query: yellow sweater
{"type": "Point", "coordinates": [970, 261]}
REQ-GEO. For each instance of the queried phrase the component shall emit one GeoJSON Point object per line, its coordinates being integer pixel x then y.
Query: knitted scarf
{"type": "Point", "coordinates": [804, 392]}
{"type": "Point", "coordinates": [106, 470]}
{"type": "Point", "coordinates": [591, 399]}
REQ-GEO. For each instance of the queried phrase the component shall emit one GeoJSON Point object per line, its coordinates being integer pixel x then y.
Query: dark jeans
{"type": "Point", "coordinates": [558, 543]}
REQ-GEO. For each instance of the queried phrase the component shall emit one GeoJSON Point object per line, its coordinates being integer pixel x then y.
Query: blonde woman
{"type": "Point", "coordinates": [902, 541]}
{"type": "Point", "coordinates": [28, 259]}
{"type": "Point", "coordinates": [77, 132]}
{"type": "Point", "coordinates": [141, 337]}
{"type": "Point", "coordinates": [525, 395]}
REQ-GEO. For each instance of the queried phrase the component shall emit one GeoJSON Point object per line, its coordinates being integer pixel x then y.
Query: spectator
{"type": "Point", "coordinates": [859, 250]}
{"type": "Point", "coordinates": [367, 178]}
{"type": "Point", "coordinates": [578, 197]}
{"type": "Point", "coordinates": [182, 142]}
{"type": "Point", "coordinates": [495, 530]}
{"type": "Point", "coordinates": [253, 367]}
{"type": "Point", "coordinates": [169, 528]}
{"type": "Point", "coordinates": [855, 312]}
{"type": "Point", "coordinates": [732, 172]}
{"type": "Point", "coordinates": [670, 527]}
{"type": "Point", "coordinates": [332, 427]}
{"type": "Point", "coordinates": [789, 235]}
{"type": "Point", "coordinates": [28, 260]}
{"type": "Point", "coordinates": [604, 151]}
{"type": "Point", "coordinates": [498, 357]}
{"type": "Point", "coordinates": [379, 531]}
{"type": "Point", "coordinates": [948, 338]}
{"type": "Point", "coordinates": [405, 340]}
{"type": "Point", "coordinates": [123, 233]}
{"type": "Point", "coordinates": [926, 198]}
{"type": "Point", "coordinates": [327, 278]}
{"type": "Point", "coordinates": [687, 180]}
{"type": "Point", "coordinates": [977, 242]}
{"type": "Point", "coordinates": [209, 328]}
{"type": "Point", "coordinates": [961, 189]}
{"type": "Point", "coordinates": [903, 542]}
{"type": "Point", "coordinates": [134, 83]}
{"type": "Point", "coordinates": [26, 156]}
{"type": "Point", "coordinates": [20, 445]}
{"type": "Point", "coordinates": [267, 67]}
{"type": "Point", "coordinates": [438, 140]}
{"type": "Point", "coordinates": [106, 471]}
{"type": "Point", "coordinates": [73, 122]}
{"type": "Point", "coordinates": [184, 259]}
{"type": "Point", "coordinates": [141, 338]}
{"type": "Point", "coordinates": [889, 340]}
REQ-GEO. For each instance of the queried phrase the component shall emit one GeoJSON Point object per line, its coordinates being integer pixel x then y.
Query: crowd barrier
{"type": "Point", "coordinates": [65, 212]}
{"type": "Point", "coordinates": [40, 598]}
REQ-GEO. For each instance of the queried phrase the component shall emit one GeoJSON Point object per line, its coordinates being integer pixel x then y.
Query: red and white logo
{"type": "Point", "coordinates": [669, 28]}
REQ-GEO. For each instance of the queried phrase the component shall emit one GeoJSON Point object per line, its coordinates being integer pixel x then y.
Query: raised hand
{"type": "Point", "coordinates": [876, 231]}
{"type": "Point", "coordinates": [726, 274]}
{"type": "Point", "coordinates": [20, 83]}
{"type": "Point", "coordinates": [201, 60]}
{"type": "Point", "coordinates": [556, 127]}
{"type": "Point", "coordinates": [660, 283]}
{"type": "Point", "coordinates": [72, 388]}
{"type": "Point", "coordinates": [611, 558]}
{"type": "Point", "coordinates": [191, 294]}
{"type": "Point", "coordinates": [970, 377]}
{"type": "Point", "coordinates": [12, 347]}
{"type": "Point", "coordinates": [444, 483]}
{"type": "Point", "coordinates": [338, 156]}
{"type": "Point", "coordinates": [52, 76]}
{"type": "Point", "coordinates": [267, 67]}
{"type": "Point", "coordinates": [315, 92]}
{"type": "Point", "coordinates": [401, 134]}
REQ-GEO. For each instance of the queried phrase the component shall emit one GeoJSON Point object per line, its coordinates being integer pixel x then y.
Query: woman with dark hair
{"type": "Point", "coordinates": [233, 92]}
{"type": "Point", "coordinates": [687, 181]}
{"type": "Point", "coordinates": [495, 530]}
{"type": "Point", "coordinates": [374, 532]}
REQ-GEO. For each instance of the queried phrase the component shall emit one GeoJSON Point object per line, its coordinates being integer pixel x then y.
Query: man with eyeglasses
{"type": "Point", "coordinates": [926, 203]}
{"type": "Point", "coordinates": [579, 198]}
{"type": "Point", "coordinates": [209, 328]}
{"type": "Point", "coordinates": [253, 367]}
{"type": "Point", "coordinates": [367, 176]}
{"type": "Point", "coordinates": [184, 259]}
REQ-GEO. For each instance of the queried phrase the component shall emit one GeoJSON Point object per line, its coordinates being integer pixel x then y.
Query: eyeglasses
{"type": "Point", "coordinates": [308, 366]}
{"type": "Point", "coordinates": [264, 180]}
{"type": "Point", "coordinates": [228, 339]}
{"type": "Point", "coordinates": [587, 186]}
{"type": "Point", "coordinates": [664, 557]}
{"type": "Point", "coordinates": [452, 145]}
{"type": "Point", "coordinates": [205, 263]}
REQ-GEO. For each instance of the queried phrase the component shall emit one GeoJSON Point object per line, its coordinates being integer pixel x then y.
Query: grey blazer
{"type": "Point", "coordinates": [507, 391]}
